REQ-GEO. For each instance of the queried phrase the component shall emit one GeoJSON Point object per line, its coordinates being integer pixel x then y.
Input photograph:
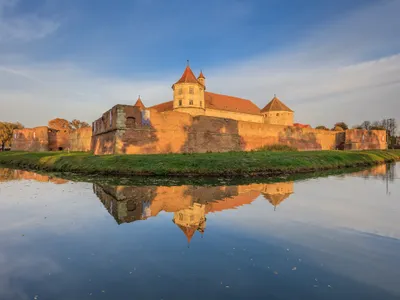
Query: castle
{"type": "Point", "coordinates": [196, 121]}
{"type": "Point", "coordinates": [190, 96]}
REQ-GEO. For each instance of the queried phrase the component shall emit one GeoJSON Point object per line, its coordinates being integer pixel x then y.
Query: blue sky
{"type": "Point", "coordinates": [75, 59]}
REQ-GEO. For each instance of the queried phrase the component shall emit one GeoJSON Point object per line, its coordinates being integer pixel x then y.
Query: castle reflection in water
{"type": "Point", "coordinates": [190, 204]}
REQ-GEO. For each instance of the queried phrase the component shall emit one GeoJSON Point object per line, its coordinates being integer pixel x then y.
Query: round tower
{"type": "Point", "coordinates": [189, 94]}
{"type": "Point", "coordinates": [275, 112]}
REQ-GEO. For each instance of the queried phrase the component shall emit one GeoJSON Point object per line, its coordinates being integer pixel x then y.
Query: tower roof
{"type": "Point", "coordinates": [188, 231]}
{"type": "Point", "coordinates": [201, 75]}
{"type": "Point", "coordinates": [187, 76]}
{"type": "Point", "coordinates": [139, 103]}
{"type": "Point", "coordinates": [276, 105]}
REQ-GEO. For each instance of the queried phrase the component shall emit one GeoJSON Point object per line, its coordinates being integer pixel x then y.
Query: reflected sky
{"type": "Point", "coordinates": [324, 238]}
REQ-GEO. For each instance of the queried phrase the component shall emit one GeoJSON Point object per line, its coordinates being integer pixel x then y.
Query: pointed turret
{"type": "Point", "coordinates": [139, 103]}
{"type": "Point", "coordinates": [275, 112]}
{"type": "Point", "coordinates": [276, 105]}
{"type": "Point", "coordinates": [189, 231]}
{"type": "Point", "coordinates": [202, 79]}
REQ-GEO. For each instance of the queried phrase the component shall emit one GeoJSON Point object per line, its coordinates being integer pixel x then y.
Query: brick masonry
{"type": "Point", "coordinates": [131, 130]}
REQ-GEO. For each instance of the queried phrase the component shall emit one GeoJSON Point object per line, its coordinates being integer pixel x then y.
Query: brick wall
{"type": "Point", "coordinates": [31, 139]}
{"type": "Point", "coordinates": [359, 139]}
{"type": "Point", "coordinates": [80, 139]}
{"type": "Point", "coordinates": [122, 130]}
{"type": "Point", "coordinates": [47, 139]}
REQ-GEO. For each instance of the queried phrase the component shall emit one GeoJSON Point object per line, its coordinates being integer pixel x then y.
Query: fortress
{"type": "Point", "coordinates": [200, 121]}
{"type": "Point", "coordinates": [195, 120]}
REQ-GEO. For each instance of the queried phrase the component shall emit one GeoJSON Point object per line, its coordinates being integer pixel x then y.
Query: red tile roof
{"type": "Point", "coordinates": [219, 102]}
{"type": "Point", "coordinates": [229, 103]}
{"type": "Point", "coordinates": [201, 75]}
{"type": "Point", "coordinates": [139, 103]}
{"type": "Point", "coordinates": [276, 105]}
{"type": "Point", "coordinates": [187, 77]}
{"type": "Point", "coordinates": [166, 106]}
{"type": "Point", "coordinates": [189, 231]}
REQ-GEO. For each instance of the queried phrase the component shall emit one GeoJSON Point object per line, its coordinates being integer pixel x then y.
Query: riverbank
{"type": "Point", "coordinates": [262, 163]}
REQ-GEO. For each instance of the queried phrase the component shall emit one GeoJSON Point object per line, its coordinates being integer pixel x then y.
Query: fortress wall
{"type": "Point", "coordinates": [359, 139]}
{"type": "Point", "coordinates": [58, 140]}
{"type": "Point", "coordinates": [80, 139]}
{"type": "Point", "coordinates": [234, 115]}
{"type": "Point", "coordinates": [255, 136]}
{"type": "Point", "coordinates": [31, 139]}
{"type": "Point", "coordinates": [152, 132]}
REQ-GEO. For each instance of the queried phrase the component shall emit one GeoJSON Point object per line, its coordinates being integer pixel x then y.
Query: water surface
{"type": "Point", "coordinates": [336, 237]}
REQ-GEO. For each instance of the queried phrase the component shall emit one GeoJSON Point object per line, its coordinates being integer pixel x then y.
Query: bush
{"type": "Point", "coordinates": [278, 147]}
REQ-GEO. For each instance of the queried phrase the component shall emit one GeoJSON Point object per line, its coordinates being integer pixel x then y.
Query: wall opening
{"type": "Point", "coordinates": [60, 149]}
{"type": "Point", "coordinates": [130, 122]}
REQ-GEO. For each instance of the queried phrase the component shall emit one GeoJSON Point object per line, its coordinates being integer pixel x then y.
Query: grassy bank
{"type": "Point", "coordinates": [264, 163]}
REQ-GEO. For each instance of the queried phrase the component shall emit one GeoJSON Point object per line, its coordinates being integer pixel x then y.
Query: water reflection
{"type": "Point", "coordinates": [324, 238]}
{"type": "Point", "coordinates": [190, 204]}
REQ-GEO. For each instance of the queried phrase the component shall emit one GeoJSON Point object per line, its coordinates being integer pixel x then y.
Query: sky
{"type": "Point", "coordinates": [329, 61]}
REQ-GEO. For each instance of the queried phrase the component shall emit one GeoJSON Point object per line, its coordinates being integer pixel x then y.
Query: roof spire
{"type": "Point", "coordinates": [187, 63]}
{"type": "Point", "coordinates": [274, 95]}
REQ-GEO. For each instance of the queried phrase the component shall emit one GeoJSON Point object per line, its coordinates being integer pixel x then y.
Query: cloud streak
{"type": "Point", "coordinates": [23, 28]}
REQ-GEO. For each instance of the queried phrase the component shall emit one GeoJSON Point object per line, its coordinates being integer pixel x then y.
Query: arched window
{"type": "Point", "coordinates": [130, 122]}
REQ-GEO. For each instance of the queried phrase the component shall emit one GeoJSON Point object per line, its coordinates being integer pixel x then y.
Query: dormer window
{"type": "Point", "coordinates": [191, 90]}
{"type": "Point", "coordinates": [190, 102]}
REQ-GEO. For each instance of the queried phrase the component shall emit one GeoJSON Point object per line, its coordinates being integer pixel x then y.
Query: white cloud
{"type": "Point", "coordinates": [347, 70]}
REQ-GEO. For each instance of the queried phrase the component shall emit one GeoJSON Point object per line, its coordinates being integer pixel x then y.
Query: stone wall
{"type": "Point", "coordinates": [279, 118]}
{"type": "Point", "coordinates": [80, 139]}
{"type": "Point", "coordinates": [47, 139]}
{"type": "Point", "coordinates": [31, 139]}
{"type": "Point", "coordinates": [359, 139]}
{"type": "Point", "coordinates": [123, 130]}
{"type": "Point", "coordinates": [234, 115]}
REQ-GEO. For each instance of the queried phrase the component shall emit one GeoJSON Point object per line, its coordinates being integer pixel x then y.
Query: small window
{"type": "Point", "coordinates": [180, 102]}
{"type": "Point", "coordinates": [130, 122]}
{"type": "Point", "coordinates": [190, 102]}
{"type": "Point", "coordinates": [180, 91]}
{"type": "Point", "coordinates": [201, 103]}
{"type": "Point", "coordinates": [277, 114]}
{"type": "Point", "coordinates": [191, 90]}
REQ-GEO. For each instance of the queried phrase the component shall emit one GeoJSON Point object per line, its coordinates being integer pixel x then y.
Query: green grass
{"type": "Point", "coordinates": [277, 147]}
{"type": "Point", "coordinates": [266, 163]}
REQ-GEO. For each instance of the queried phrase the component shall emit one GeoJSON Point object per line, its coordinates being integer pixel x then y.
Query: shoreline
{"type": "Point", "coordinates": [222, 165]}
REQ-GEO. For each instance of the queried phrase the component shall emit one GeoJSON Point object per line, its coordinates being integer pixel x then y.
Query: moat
{"type": "Point", "coordinates": [334, 237]}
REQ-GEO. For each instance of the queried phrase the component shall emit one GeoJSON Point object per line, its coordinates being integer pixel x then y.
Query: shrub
{"type": "Point", "coordinates": [278, 147]}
